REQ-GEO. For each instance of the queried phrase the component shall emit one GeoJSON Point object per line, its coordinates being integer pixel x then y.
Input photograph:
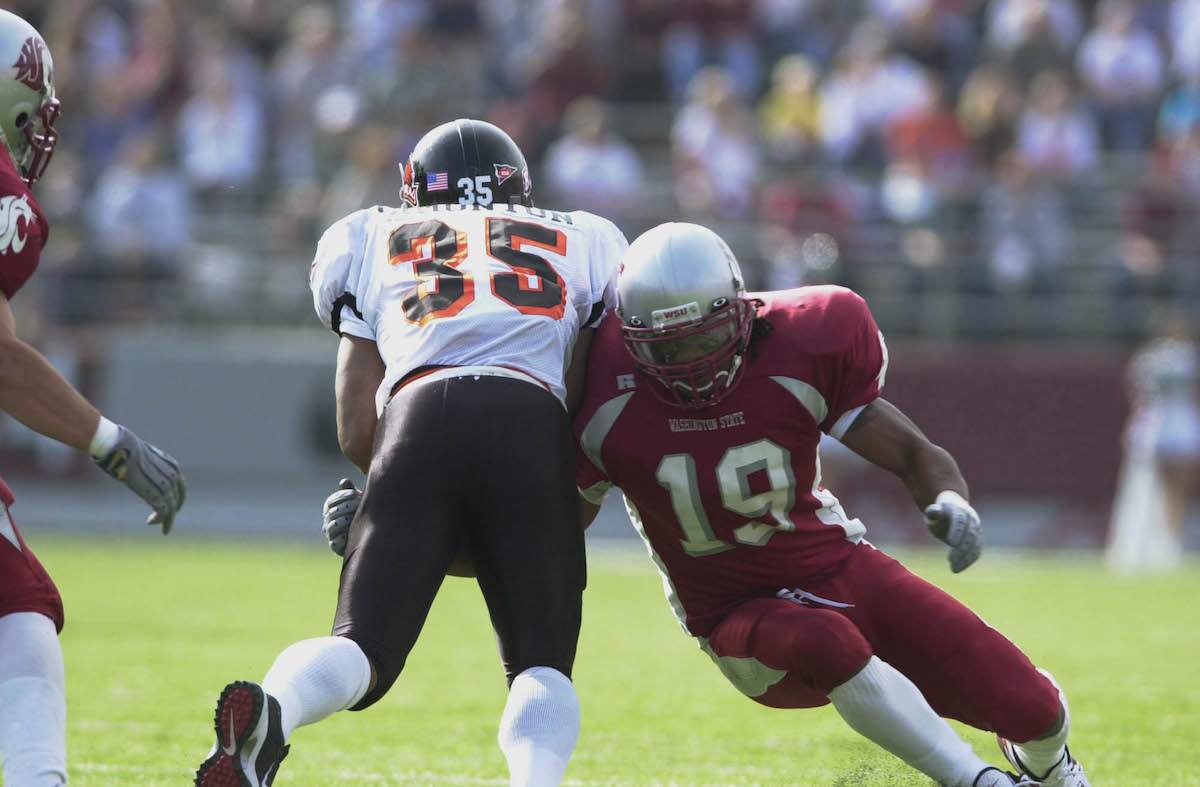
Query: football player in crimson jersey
{"type": "Point", "coordinates": [705, 405]}
{"type": "Point", "coordinates": [32, 700]}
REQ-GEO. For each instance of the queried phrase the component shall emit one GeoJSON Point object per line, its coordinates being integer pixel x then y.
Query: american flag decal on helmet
{"type": "Point", "coordinates": [31, 66]}
{"type": "Point", "coordinates": [504, 172]}
{"type": "Point", "coordinates": [437, 181]}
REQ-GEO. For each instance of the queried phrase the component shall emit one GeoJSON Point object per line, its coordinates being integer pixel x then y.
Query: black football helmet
{"type": "Point", "coordinates": [466, 162]}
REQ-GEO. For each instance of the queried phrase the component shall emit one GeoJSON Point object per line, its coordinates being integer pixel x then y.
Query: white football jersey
{"type": "Point", "coordinates": [457, 285]}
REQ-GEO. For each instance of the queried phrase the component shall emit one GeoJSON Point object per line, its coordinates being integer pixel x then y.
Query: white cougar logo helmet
{"type": "Point", "coordinates": [12, 231]}
{"type": "Point", "coordinates": [28, 107]}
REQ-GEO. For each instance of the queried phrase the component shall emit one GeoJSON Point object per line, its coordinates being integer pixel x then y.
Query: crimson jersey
{"type": "Point", "coordinates": [23, 228]}
{"type": "Point", "coordinates": [729, 498]}
{"type": "Point", "coordinates": [24, 584]}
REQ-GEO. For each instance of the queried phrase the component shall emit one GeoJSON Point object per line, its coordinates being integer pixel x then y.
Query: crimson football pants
{"type": "Point", "coordinates": [486, 462]}
{"type": "Point", "coordinates": [873, 605]}
{"type": "Point", "coordinates": [24, 584]}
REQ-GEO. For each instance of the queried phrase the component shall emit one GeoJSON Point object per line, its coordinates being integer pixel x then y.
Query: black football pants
{"type": "Point", "coordinates": [483, 461]}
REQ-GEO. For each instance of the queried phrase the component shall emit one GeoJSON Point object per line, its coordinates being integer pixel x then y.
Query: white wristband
{"type": "Point", "coordinates": [105, 439]}
{"type": "Point", "coordinates": [954, 498]}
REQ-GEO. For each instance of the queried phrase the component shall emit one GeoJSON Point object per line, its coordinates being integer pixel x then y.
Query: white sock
{"type": "Point", "coordinates": [1041, 756]}
{"type": "Point", "coordinates": [883, 705]}
{"type": "Point", "coordinates": [315, 678]}
{"type": "Point", "coordinates": [539, 727]}
{"type": "Point", "coordinates": [33, 702]}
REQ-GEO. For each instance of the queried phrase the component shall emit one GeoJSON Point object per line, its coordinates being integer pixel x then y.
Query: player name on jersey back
{"type": "Point", "coordinates": [454, 285]}
{"type": "Point", "coordinates": [528, 211]}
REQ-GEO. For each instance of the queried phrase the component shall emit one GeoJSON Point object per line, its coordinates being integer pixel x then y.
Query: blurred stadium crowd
{"type": "Point", "coordinates": [985, 170]}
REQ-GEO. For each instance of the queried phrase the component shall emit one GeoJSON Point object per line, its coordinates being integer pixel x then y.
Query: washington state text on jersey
{"type": "Point", "coordinates": [707, 424]}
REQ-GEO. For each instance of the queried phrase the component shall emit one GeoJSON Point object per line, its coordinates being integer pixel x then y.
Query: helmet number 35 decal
{"type": "Point", "coordinates": [436, 251]}
{"type": "Point", "coordinates": [476, 190]}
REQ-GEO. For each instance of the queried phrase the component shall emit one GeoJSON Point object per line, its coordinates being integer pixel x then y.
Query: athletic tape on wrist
{"type": "Point", "coordinates": [105, 439]}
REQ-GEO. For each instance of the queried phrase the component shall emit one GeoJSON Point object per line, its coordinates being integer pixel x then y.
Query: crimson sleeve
{"type": "Point", "coordinates": [591, 479]}
{"type": "Point", "coordinates": [593, 484]}
{"type": "Point", "coordinates": [860, 365]}
{"type": "Point", "coordinates": [591, 476]}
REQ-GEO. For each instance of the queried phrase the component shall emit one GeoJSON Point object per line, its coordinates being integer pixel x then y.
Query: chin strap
{"type": "Point", "coordinates": [734, 366]}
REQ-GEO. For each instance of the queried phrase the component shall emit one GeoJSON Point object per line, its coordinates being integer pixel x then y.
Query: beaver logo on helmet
{"type": "Point", "coordinates": [408, 191]}
{"type": "Point", "coordinates": [504, 172]}
{"type": "Point", "coordinates": [31, 65]}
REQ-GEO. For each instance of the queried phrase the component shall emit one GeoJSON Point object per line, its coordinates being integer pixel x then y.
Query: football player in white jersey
{"type": "Point", "coordinates": [464, 318]}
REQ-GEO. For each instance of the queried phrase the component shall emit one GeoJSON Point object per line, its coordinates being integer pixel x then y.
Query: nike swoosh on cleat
{"type": "Point", "coordinates": [231, 749]}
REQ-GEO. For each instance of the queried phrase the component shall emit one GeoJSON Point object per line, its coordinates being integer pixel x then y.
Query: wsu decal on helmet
{"type": "Point", "coordinates": [12, 232]}
{"type": "Point", "coordinates": [31, 65]}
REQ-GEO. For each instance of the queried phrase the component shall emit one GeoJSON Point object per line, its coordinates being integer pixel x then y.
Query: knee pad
{"type": "Point", "coordinates": [824, 648]}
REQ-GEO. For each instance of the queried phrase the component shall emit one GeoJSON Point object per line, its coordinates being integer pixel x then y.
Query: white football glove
{"type": "Point", "coordinates": [150, 473]}
{"type": "Point", "coordinates": [954, 522]}
{"type": "Point", "coordinates": [340, 508]}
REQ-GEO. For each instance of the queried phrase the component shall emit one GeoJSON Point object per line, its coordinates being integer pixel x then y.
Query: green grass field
{"type": "Point", "coordinates": [156, 626]}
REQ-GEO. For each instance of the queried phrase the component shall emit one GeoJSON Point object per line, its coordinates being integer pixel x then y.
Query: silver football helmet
{"type": "Point", "coordinates": [28, 108]}
{"type": "Point", "coordinates": [685, 316]}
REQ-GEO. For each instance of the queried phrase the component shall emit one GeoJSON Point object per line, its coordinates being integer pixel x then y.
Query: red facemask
{"type": "Point", "coordinates": [40, 134]}
{"type": "Point", "coordinates": [697, 364]}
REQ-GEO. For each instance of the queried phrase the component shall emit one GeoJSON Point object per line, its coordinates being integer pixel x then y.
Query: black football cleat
{"type": "Point", "coordinates": [249, 744]}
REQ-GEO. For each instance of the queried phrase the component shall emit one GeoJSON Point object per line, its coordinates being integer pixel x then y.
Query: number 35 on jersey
{"type": "Point", "coordinates": [531, 285]}
{"type": "Point", "coordinates": [508, 285]}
